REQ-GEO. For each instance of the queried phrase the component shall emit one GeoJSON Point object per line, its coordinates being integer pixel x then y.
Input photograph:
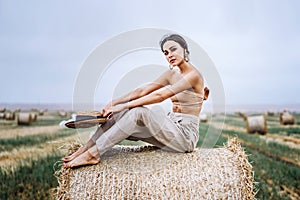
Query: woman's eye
{"type": "Point", "coordinates": [166, 53]}
{"type": "Point", "coordinates": [173, 49]}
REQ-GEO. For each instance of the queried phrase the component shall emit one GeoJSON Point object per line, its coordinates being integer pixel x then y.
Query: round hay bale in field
{"type": "Point", "coordinates": [286, 118]}
{"type": "Point", "coordinates": [256, 124]}
{"type": "Point", "coordinates": [34, 110]}
{"type": "Point", "coordinates": [133, 172]}
{"type": "Point", "coordinates": [37, 111]}
{"type": "Point", "coordinates": [203, 118]}
{"type": "Point", "coordinates": [24, 118]}
{"type": "Point", "coordinates": [2, 115]}
{"type": "Point", "coordinates": [62, 113]}
{"type": "Point", "coordinates": [2, 109]}
{"type": "Point", "coordinates": [33, 116]}
{"type": "Point", "coordinates": [9, 116]}
{"type": "Point", "coordinates": [271, 113]}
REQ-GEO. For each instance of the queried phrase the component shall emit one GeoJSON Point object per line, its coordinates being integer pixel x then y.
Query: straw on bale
{"type": "Point", "coordinates": [256, 124]}
{"type": "Point", "coordinates": [145, 172]}
{"type": "Point", "coordinates": [286, 118]}
{"type": "Point", "coordinates": [24, 118]}
{"type": "Point", "coordinates": [203, 118]}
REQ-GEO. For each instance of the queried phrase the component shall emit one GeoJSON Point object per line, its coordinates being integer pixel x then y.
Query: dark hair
{"type": "Point", "coordinates": [176, 38]}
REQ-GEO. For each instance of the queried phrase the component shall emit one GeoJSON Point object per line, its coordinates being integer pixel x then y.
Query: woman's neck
{"type": "Point", "coordinates": [184, 67]}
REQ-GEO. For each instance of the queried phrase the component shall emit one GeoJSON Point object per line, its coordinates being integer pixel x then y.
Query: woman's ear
{"type": "Point", "coordinates": [206, 93]}
{"type": "Point", "coordinates": [186, 55]}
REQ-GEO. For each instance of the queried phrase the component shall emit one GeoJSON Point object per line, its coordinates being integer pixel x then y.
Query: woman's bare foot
{"type": "Point", "coordinates": [78, 152]}
{"type": "Point", "coordinates": [89, 157]}
{"type": "Point", "coordinates": [75, 154]}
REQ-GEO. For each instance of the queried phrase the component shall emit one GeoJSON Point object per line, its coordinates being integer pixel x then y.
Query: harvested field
{"type": "Point", "coordinates": [36, 150]}
{"type": "Point", "coordinates": [28, 131]}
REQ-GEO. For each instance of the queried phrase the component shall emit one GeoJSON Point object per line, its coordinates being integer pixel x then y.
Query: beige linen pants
{"type": "Point", "coordinates": [174, 132]}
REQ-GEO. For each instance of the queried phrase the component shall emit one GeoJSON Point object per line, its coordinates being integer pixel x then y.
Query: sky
{"type": "Point", "coordinates": [254, 45]}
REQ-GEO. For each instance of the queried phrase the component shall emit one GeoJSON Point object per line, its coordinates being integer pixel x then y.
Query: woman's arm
{"type": "Point", "coordinates": [162, 81]}
{"type": "Point", "coordinates": [187, 82]}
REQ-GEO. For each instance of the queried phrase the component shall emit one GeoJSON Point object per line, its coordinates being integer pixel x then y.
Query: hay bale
{"type": "Point", "coordinates": [2, 115]}
{"type": "Point", "coordinates": [203, 118]}
{"type": "Point", "coordinates": [24, 118]}
{"type": "Point", "coordinates": [42, 112]}
{"type": "Point", "coordinates": [33, 116]}
{"type": "Point", "coordinates": [9, 116]}
{"type": "Point", "coordinates": [132, 172]}
{"type": "Point", "coordinates": [286, 118]}
{"type": "Point", "coordinates": [2, 109]}
{"type": "Point", "coordinates": [62, 113]}
{"type": "Point", "coordinates": [37, 111]}
{"type": "Point", "coordinates": [271, 113]}
{"type": "Point", "coordinates": [256, 124]}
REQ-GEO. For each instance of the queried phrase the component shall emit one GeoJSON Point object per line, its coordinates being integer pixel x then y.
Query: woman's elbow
{"type": "Point", "coordinates": [160, 97]}
{"type": "Point", "coordinates": [140, 92]}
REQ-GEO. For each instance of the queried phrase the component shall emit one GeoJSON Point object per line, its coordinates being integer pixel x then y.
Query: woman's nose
{"type": "Point", "coordinates": [170, 55]}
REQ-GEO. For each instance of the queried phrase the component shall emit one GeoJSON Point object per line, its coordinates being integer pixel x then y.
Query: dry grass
{"type": "Point", "coordinates": [24, 155]}
{"type": "Point", "coordinates": [227, 127]}
{"type": "Point", "coordinates": [285, 140]}
{"type": "Point", "coordinates": [27, 131]}
{"type": "Point", "coordinates": [289, 141]}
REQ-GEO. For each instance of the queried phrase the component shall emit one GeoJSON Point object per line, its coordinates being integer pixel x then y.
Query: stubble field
{"type": "Point", "coordinates": [29, 155]}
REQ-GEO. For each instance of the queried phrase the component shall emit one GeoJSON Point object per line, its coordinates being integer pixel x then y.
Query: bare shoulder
{"type": "Point", "coordinates": [168, 75]}
{"type": "Point", "coordinates": [195, 75]}
{"type": "Point", "coordinates": [196, 79]}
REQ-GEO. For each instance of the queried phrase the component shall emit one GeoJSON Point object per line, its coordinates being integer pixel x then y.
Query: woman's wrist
{"type": "Point", "coordinates": [114, 102]}
{"type": "Point", "coordinates": [130, 104]}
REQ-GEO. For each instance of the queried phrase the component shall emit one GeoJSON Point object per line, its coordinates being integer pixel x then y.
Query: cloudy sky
{"type": "Point", "coordinates": [254, 44]}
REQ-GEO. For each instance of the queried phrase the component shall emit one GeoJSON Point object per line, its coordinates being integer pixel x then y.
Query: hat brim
{"type": "Point", "coordinates": [85, 123]}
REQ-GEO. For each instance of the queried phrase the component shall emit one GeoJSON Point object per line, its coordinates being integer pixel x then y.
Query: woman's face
{"type": "Point", "coordinates": [174, 52]}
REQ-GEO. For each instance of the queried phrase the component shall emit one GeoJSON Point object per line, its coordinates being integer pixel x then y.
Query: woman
{"type": "Point", "coordinates": [178, 131]}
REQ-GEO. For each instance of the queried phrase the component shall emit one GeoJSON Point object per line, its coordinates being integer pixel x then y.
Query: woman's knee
{"type": "Point", "coordinates": [139, 112]}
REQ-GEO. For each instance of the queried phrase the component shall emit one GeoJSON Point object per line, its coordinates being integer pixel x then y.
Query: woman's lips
{"type": "Point", "coordinates": [172, 60]}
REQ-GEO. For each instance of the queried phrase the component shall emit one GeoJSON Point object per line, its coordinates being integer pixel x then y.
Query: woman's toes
{"type": "Point", "coordinates": [67, 165]}
{"type": "Point", "coordinates": [66, 159]}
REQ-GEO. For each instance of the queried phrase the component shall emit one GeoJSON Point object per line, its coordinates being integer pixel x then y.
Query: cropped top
{"type": "Point", "coordinates": [188, 98]}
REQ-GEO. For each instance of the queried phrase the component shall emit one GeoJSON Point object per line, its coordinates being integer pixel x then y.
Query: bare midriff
{"type": "Point", "coordinates": [192, 110]}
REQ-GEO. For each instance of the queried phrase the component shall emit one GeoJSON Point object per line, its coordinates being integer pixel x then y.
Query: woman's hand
{"type": "Point", "coordinates": [105, 110]}
{"type": "Point", "coordinates": [113, 109]}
